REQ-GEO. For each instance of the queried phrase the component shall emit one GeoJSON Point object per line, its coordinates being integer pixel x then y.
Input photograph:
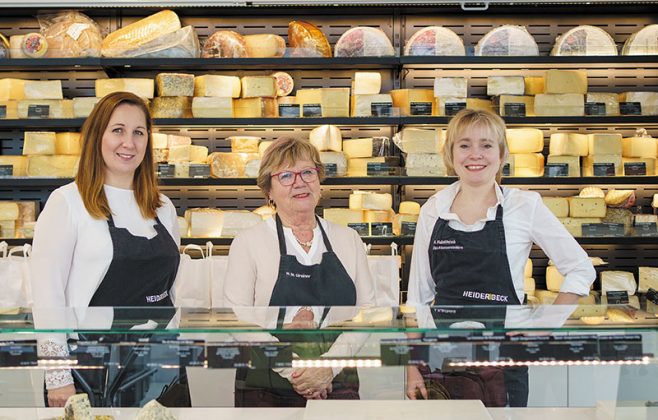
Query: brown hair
{"type": "Point", "coordinates": [286, 151]}
{"type": "Point", "coordinates": [91, 171]}
{"type": "Point", "coordinates": [467, 118]}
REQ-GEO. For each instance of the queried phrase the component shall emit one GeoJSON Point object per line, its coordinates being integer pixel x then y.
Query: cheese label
{"type": "Point", "coordinates": [408, 228]}
{"type": "Point", "coordinates": [225, 356]}
{"type": "Point", "coordinates": [6, 170]}
{"type": "Point", "coordinates": [420, 108]}
{"type": "Point", "coordinates": [646, 229]}
{"type": "Point", "coordinates": [166, 170]}
{"type": "Point", "coordinates": [451, 108]}
{"type": "Point", "coordinates": [381, 229]}
{"type": "Point", "coordinates": [378, 169]}
{"type": "Point", "coordinates": [603, 229]}
{"type": "Point", "coordinates": [595, 108]}
{"type": "Point", "coordinates": [630, 108]}
{"type": "Point", "coordinates": [18, 355]}
{"type": "Point", "coordinates": [38, 111]}
{"type": "Point", "coordinates": [381, 109]}
{"type": "Point", "coordinates": [312, 110]}
{"type": "Point", "coordinates": [635, 168]}
{"type": "Point", "coordinates": [617, 297]}
{"type": "Point", "coordinates": [330, 169]}
{"type": "Point", "coordinates": [604, 169]}
{"type": "Point", "coordinates": [288, 110]}
{"type": "Point", "coordinates": [3, 111]}
{"type": "Point", "coordinates": [515, 109]}
{"type": "Point", "coordinates": [199, 170]}
{"type": "Point", "coordinates": [363, 229]}
{"type": "Point", "coordinates": [556, 169]}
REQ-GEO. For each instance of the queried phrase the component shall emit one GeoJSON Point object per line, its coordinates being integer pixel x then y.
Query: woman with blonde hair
{"type": "Point", "coordinates": [109, 238]}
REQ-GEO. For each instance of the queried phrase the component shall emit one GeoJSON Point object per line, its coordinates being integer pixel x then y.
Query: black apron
{"type": "Point", "coordinates": [323, 284]}
{"type": "Point", "coordinates": [472, 268]}
{"type": "Point", "coordinates": [141, 275]}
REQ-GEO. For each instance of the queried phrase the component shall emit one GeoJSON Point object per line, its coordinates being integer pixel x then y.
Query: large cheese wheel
{"type": "Point", "coordinates": [224, 44]}
{"type": "Point", "coordinates": [265, 45]}
{"type": "Point", "coordinates": [584, 40]}
{"type": "Point", "coordinates": [306, 40]}
{"type": "Point", "coordinates": [364, 41]}
{"type": "Point", "coordinates": [507, 40]}
{"type": "Point", "coordinates": [139, 33]}
{"type": "Point", "coordinates": [642, 42]}
{"type": "Point", "coordinates": [434, 40]}
{"type": "Point", "coordinates": [72, 34]}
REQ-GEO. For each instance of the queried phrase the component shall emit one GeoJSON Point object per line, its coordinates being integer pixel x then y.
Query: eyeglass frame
{"type": "Point", "coordinates": [297, 174]}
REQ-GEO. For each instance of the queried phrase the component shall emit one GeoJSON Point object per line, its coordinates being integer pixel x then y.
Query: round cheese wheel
{"type": "Point", "coordinates": [34, 45]}
{"type": "Point", "coordinates": [284, 83]}
{"type": "Point", "coordinates": [584, 40]}
{"type": "Point", "coordinates": [364, 41]}
{"type": "Point", "coordinates": [435, 40]}
{"type": "Point", "coordinates": [224, 44]}
{"type": "Point", "coordinates": [642, 42]}
{"type": "Point", "coordinates": [265, 45]}
{"type": "Point", "coordinates": [306, 40]}
{"type": "Point", "coordinates": [507, 40]}
{"type": "Point", "coordinates": [72, 34]}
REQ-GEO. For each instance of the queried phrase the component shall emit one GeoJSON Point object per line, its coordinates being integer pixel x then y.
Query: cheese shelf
{"type": "Point", "coordinates": [624, 61]}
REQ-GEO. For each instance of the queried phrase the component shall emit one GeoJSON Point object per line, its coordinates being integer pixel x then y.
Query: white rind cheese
{"type": "Point", "coordinates": [451, 86]}
{"type": "Point", "coordinates": [504, 85]}
{"type": "Point", "coordinates": [507, 40]}
{"type": "Point", "coordinates": [642, 42]}
{"type": "Point", "coordinates": [618, 281]}
{"type": "Point", "coordinates": [326, 138]}
{"type": "Point", "coordinates": [648, 279]}
{"type": "Point", "coordinates": [584, 40]}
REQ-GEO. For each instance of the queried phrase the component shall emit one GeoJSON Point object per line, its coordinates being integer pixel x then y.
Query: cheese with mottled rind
{"type": "Point", "coordinates": [174, 84]}
{"type": "Point", "coordinates": [244, 144]}
{"type": "Point", "coordinates": [255, 108]}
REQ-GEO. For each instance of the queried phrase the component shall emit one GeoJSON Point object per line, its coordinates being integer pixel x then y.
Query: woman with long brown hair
{"type": "Point", "coordinates": [109, 238]}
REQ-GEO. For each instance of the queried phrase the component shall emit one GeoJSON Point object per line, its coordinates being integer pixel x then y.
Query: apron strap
{"type": "Point", "coordinates": [110, 221]}
{"type": "Point", "coordinates": [327, 244]}
{"type": "Point", "coordinates": [279, 234]}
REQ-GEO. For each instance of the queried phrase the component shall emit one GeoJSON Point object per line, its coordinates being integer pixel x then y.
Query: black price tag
{"type": "Point", "coordinates": [330, 169]}
{"type": "Point", "coordinates": [515, 110]}
{"type": "Point", "coordinates": [289, 110]}
{"type": "Point", "coordinates": [603, 229]}
{"type": "Point", "coordinates": [630, 108]}
{"type": "Point", "coordinates": [312, 110]}
{"type": "Point", "coordinates": [420, 108]}
{"type": "Point", "coordinates": [199, 170]}
{"type": "Point", "coordinates": [407, 228]}
{"type": "Point", "coordinates": [381, 109]}
{"type": "Point", "coordinates": [228, 356]}
{"type": "Point", "coordinates": [381, 229]}
{"type": "Point", "coordinates": [617, 297]}
{"type": "Point", "coordinates": [635, 168]}
{"type": "Point", "coordinates": [38, 111]}
{"type": "Point", "coordinates": [6, 170]}
{"type": "Point", "coordinates": [604, 169]}
{"type": "Point", "coordinates": [595, 108]}
{"type": "Point", "coordinates": [18, 354]}
{"type": "Point", "coordinates": [621, 347]}
{"type": "Point", "coordinates": [3, 111]}
{"type": "Point", "coordinates": [556, 169]}
{"type": "Point", "coordinates": [166, 170]}
{"type": "Point", "coordinates": [646, 229]}
{"type": "Point", "coordinates": [271, 356]}
{"type": "Point", "coordinates": [361, 228]}
{"type": "Point", "coordinates": [91, 354]}
{"type": "Point", "coordinates": [183, 353]}
{"type": "Point", "coordinates": [451, 108]}
{"type": "Point", "coordinates": [378, 169]}
{"type": "Point", "coordinates": [506, 169]}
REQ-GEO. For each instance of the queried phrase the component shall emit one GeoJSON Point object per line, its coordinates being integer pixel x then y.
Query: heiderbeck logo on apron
{"type": "Point", "coordinates": [446, 245]}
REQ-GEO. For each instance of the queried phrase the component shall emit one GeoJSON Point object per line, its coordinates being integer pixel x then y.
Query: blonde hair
{"type": "Point", "coordinates": [469, 118]}
{"type": "Point", "coordinates": [91, 171]}
{"type": "Point", "coordinates": [286, 151]}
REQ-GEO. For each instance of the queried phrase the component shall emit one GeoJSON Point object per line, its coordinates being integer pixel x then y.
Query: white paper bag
{"type": "Point", "coordinates": [218, 267]}
{"type": "Point", "coordinates": [192, 285]}
{"type": "Point", "coordinates": [14, 276]}
{"type": "Point", "coordinates": [385, 270]}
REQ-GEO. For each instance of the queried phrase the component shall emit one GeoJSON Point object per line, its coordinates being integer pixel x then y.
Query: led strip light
{"type": "Point", "coordinates": [643, 361]}
{"type": "Point", "coordinates": [336, 363]}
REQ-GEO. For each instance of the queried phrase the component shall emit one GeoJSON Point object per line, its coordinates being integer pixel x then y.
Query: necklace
{"type": "Point", "coordinates": [306, 244]}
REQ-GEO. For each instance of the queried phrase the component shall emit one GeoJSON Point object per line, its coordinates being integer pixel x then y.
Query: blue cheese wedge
{"type": "Point", "coordinates": [78, 408]}
{"type": "Point", "coordinates": [154, 411]}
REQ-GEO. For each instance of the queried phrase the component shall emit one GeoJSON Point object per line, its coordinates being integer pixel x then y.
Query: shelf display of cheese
{"type": "Point", "coordinates": [366, 99]}
{"type": "Point", "coordinates": [584, 40]}
{"type": "Point", "coordinates": [178, 151]}
{"type": "Point", "coordinates": [648, 101]}
{"type": "Point", "coordinates": [216, 223]}
{"type": "Point", "coordinates": [507, 40]}
{"type": "Point", "coordinates": [642, 42]}
{"type": "Point", "coordinates": [435, 41]}
{"type": "Point", "coordinates": [46, 154]}
{"type": "Point", "coordinates": [451, 94]}
{"type": "Point", "coordinates": [22, 98]}
{"type": "Point", "coordinates": [17, 218]}
{"type": "Point", "coordinates": [368, 208]}
{"type": "Point", "coordinates": [423, 150]}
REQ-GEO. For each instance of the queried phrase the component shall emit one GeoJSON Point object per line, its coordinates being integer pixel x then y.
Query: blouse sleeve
{"type": "Point", "coordinates": [421, 285]}
{"type": "Point", "coordinates": [364, 283]}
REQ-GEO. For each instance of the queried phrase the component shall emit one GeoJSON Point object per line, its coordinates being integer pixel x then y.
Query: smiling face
{"type": "Point", "coordinates": [123, 144]}
{"type": "Point", "coordinates": [300, 197]}
{"type": "Point", "coordinates": [476, 156]}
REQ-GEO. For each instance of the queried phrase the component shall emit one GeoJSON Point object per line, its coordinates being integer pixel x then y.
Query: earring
{"type": "Point", "coordinates": [271, 203]}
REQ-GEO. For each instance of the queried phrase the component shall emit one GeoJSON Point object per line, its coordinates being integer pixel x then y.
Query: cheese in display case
{"type": "Point", "coordinates": [524, 140]}
{"type": "Point", "coordinates": [265, 45]}
{"type": "Point", "coordinates": [451, 86]}
{"type": "Point", "coordinates": [583, 41]}
{"type": "Point", "coordinates": [560, 104]}
{"type": "Point", "coordinates": [435, 41]}
{"type": "Point", "coordinates": [217, 85]}
{"type": "Point", "coordinates": [174, 84]}
{"type": "Point", "coordinates": [224, 44]}
{"type": "Point", "coordinates": [307, 40]}
{"type": "Point", "coordinates": [326, 138]}
{"type": "Point", "coordinates": [143, 88]}
{"type": "Point", "coordinates": [642, 42]}
{"type": "Point", "coordinates": [568, 144]}
{"type": "Point", "coordinates": [505, 85]}
{"type": "Point", "coordinates": [363, 41]}
{"type": "Point", "coordinates": [130, 38]}
{"type": "Point", "coordinates": [212, 107]}
{"type": "Point", "coordinates": [507, 40]}
{"type": "Point", "coordinates": [70, 34]}
{"type": "Point", "coordinates": [648, 101]}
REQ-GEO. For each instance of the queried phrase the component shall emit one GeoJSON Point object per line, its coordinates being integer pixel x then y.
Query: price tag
{"type": "Point", "coordinates": [3, 111]}
{"type": "Point", "coordinates": [595, 108]}
{"type": "Point", "coordinates": [635, 168]}
{"type": "Point", "coordinates": [407, 228]}
{"type": "Point", "coordinates": [621, 347]}
{"type": "Point", "coordinates": [646, 229]}
{"type": "Point", "coordinates": [617, 297]}
{"type": "Point", "coordinates": [630, 108]}
{"type": "Point", "coordinates": [515, 110]}
{"type": "Point", "coordinates": [604, 169]}
{"type": "Point", "coordinates": [6, 170]}
{"type": "Point", "coordinates": [506, 169]}
{"type": "Point", "coordinates": [603, 229]}
{"type": "Point", "coordinates": [381, 109]}
{"type": "Point", "coordinates": [556, 169]}
{"type": "Point", "coordinates": [330, 169]}
{"type": "Point", "coordinates": [199, 170]}
{"type": "Point", "coordinates": [289, 111]}
{"type": "Point", "coordinates": [420, 108]}
{"type": "Point", "coordinates": [228, 356]}
{"type": "Point", "coordinates": [18, 354]}
{"type": "Point", "coordinates": [403, 352]}
{"type": "Point", "coordinates": [312, 110]}
{"type": "Point", "coordinates": [378, 169]}
{"type": "Point", "coordinates": [183, 353]}
{"type": "Point", "coordinates": [38, 111]}
{"type": "Point", "coordinates": [363, 229]}
{"type": "Point", "coordinates": [166, 170]}
{"type": "Point", "coordinates": [451, 108]}
{"type": "Point", "coordinates": [381, 229]}
{"type": "Point", "coordinates": [271, 356]}
{"type": "Point", "coordinates": [91, 353]}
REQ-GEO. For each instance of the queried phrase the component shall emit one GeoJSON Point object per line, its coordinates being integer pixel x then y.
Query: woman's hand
{"type": "Point", "coordinates": [415, 382]}
{"type": "Point", "coordinates": [312, 383]}
{"type": "Point", "coordinates": [303, 319]}
{"type": "Point", "coordinates": [57, 396]}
